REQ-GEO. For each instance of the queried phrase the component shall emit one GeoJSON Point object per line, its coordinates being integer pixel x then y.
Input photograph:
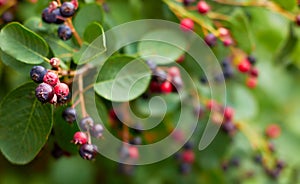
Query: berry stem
{"type": "Point", "coordinates": [81, 96]}
{"type": "Point", "coordinates": [75, 33]}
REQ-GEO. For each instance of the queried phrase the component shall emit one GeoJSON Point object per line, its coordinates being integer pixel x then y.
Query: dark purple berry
{"type": "Point", "coordinates": [48, 16]}
{"type": "Point", "coordinates": [210, 40]}
{"type": "Point", "coordinates": [67, 9]}
{"type": "Point", "coordinates": [69, 114]}
{"type": "Point", "coordinates": [44, 92]}
{"type": "Point", "coordinates": [96, 130]}
{"type": "Point", "coordinates": [88, 151]}
{"type": "Point", "coordinates": [185, 168]}
{"type": "Point", "coordinates": [86, 123]}
{"type": "Point", "coordinates": [177, 82]}
{"type": "Point", "coordinates": [160, 75]}
{"type": "Point", "coordinates": [252, 60]}
{"type": "Point", "coordinates": [64, 32]}
{"type": "Point", "coordinates": [188, 145]}
{"type": "Point", "coordinates": [138, 129]}
{"type": "Point", "coordinates": [235, 162]}
{"type": "Point", "coordinates": [7, 17]}
{"type": "Point", "coordinates": [187, 2]}
{"type": "Point", "coordinates": [136, 141]}
{"type": "Point", "coordinates": [37, 73]}
{"type": "Point", "coordinates": [59, 17]}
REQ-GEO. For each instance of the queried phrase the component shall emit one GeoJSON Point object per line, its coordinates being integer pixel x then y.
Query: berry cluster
{"type": "Point", "coordinates": [164, 80]}
{"type": "Point", "coordinates": [50, 89]}
{"type": "Point", "coordinates": [222, 115]}
{"type": "Point", "coordinates": [88, 128]}
{"type": "Point", "coordinates": [58, 14]}
{"type": "Point", "coordinates": [185, 158]}
{"type": "Point", "coordinates": [246, 65]}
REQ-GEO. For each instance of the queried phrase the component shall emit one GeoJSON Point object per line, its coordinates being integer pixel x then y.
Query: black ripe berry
{"type": "Point", "coordinates": [96, 130]}
{"type": "Point", "coordinates": [69, 114]}
{"type": "Point", "coordinates": [7, 16]}
{"type": "Point", "coordinates": [67, 9]}
{"type": "Point", "coordinates": [297, 19]}
{"type": "Point", "coordinates": [251, 59]}
{"type": "Point", "coordinates": [44, 92]}
{"type": "Point", "coordinates": [187, 2]}
{"type": "Point", "coordinates": [88, 151]}
{"type": "Point", "coordinates": [86, 123]}
{"type": "Point", "coordinates": [64, 32]}
{"type": "Point", "coordinates": [48, 16]}
{"type": "Point", "coordinates": [37, 73]}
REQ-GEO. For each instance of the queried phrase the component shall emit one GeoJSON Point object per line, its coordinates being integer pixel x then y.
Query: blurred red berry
{"type": "Point", "coordinates": [273, 131]}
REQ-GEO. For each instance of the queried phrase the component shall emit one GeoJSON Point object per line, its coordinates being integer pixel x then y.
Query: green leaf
{"type": "Point", "coordinates": [157, 47]}
{"type": "Point", "coordinates": [287, 4]}
{"type": "Point", "coordinates": [240, 30]}
{"type": "Point", "coordinates": [93, 31]}
{"type": "Point", "coordinates": [122, 79]}
{"type": "Point", "coordinates": [23, 44]}
{"type": "Point", "coordinates": [25, 124]}
{"type": "Point", "coordinates": [244, 103]}
{"type": "Point", "coordinates": [86, 15]}
{"type": "Point", "coordinates": [284, 53]}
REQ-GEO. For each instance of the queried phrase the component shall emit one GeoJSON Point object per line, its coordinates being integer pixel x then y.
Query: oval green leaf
{"type": "Point", "coordinates": [157, 46]}
{"type": "Point", "coordinates": [25, 124]}
{"type": "Point", "coordinates": [23, 44]}
{"type": "Point", "coordinates": [122, 79]}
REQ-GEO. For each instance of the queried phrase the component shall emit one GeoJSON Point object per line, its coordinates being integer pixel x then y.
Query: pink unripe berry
{"type": "Point", "coordinates": [174, 71]}
{"type": "Point", "coordinates": [80, 138]}
{"type": "Point", "coordinates": [61, 90]}
{"type": "Point", "coordinates": [187, 24]}
{"type": "Point", "coordinates": [51, 78]}
{"type": "Point", "coordinates": [203, 7]}
{"type": "Point", "coordinates": [133, 152]}
{"type": "Point", "coordinates": [273, 131]}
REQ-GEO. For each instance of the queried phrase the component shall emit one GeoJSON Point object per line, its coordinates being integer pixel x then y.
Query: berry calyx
{"type": "Point", "coordinates": [210, 40]}
{"type": "Point", "coordinates": [96, 130]}
{"type": "Point", "coordinates": [273, 131]}
{"type": "Point", "coordinates": [64, 32]}
{"type": "Point", "coordinates": [203, 7]}
{"type": "Point", "coordinates": [80, 138]}
{"type": "Point", "coordinates": [251, 82]}
{"type": "Point", "coordinates": [88, 151]}
{"type": "Point", "coordinates": [67, 9]}
{"type": "Point", "coordinates": [186, 24]}
{"type": "Point", "coordinates": [244, 66]}
{"type": "Point", "coordinates": [188, 156]}
{"type": "Point", "coordinates": [51, 78]}
{"type": "Point", "coordinates": [44, 92]}
{"type": "Point", "coordinates": [37, 73]}
{"type": "Point", "coordinates": [86, 123]}
{"type": "Point", "coordinates": [61, 90]}
{"type": "Point", "coordinates": [166, 87]}
{"type": "Point", "coordinates": [69, 115]}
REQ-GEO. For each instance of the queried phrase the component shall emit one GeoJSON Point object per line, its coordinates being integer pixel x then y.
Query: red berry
{"type": "Point", "coordinates": [61, 90]}
{"type": "Point", "coordinates": [244, 66]}
{"type": "Point", "coordinates": [297, 19]}
{"type": "Point", "coordinates": [80, 138]}
{"type": "Point", "coordinates": [55, 62]}
{"type": "Point", "coordinates": [187, 24]}
{"type": "Point", "coordinates": [227, 41]}
{"type": "Point", "coordinates": [251, 82]}
{"type": "Point", "coordinates": [211, 104]}
{"type": "Point", "coordinates": [254, 72]}
{"type": "Point", "coordinates": [166, 87]}
{"type": "Point", "coordinates": [51, 78]}
{"type": "Point", "coordinates": [203, 7]}
{"type": "Point", "coordinates": [154, 87]}
{"type": "Point", "coordinates": [273, 131]}
{"type": "Point", "coordinates": [174, 71]}
{"type": "Point", "coordinates": [228, 113]}
{"type": "Point", "coordinates": [188, 156]}
{"type": "Point", "coordinates": [133, 152]}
